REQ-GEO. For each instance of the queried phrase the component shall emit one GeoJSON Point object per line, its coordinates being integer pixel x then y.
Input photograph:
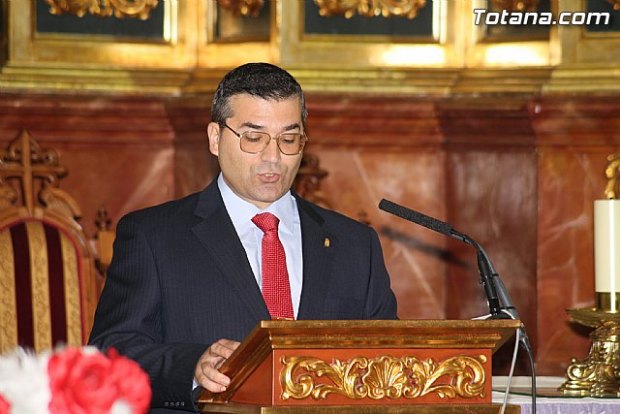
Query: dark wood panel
{"type": "Point", "coordinates": [374, 121]}
{"type": "Point", "coordinates": [94, 120]}
{"type": "Point", "coordinates": [577, 121]}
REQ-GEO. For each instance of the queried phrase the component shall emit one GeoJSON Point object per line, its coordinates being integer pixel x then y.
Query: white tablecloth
{"type": "Point", "coordinates": [551, 405]}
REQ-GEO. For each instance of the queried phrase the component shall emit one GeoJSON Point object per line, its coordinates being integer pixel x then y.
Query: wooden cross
{"type": "Point", "coordinates": [26, 162]}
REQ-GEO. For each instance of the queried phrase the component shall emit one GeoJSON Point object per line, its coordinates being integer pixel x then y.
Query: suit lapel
{"type": "Point", "coordinates": [317, 248]}
{"type": "Point", "coordinates": [217, 234]}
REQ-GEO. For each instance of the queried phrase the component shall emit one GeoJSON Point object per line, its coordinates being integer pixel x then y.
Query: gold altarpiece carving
{"type": "Point", "coordinates": [119, 8]}
{"type": "Point", "coordinates": [188, 58]}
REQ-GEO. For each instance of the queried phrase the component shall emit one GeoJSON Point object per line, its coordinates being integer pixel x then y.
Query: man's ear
{"type": "Point", "coordinates": [213, 132]}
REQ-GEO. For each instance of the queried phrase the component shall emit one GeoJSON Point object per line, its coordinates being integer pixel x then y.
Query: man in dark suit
{"type": "Point", "coordinates": [190, 278]}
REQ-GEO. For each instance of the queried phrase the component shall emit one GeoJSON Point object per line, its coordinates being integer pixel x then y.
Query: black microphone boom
{"type": "Point", "coordinates": [500, 305]}
{"type": "Point", "coordinates": [485, 267]}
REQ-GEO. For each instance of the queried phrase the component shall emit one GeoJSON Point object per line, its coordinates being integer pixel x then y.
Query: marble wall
{"type": "Point", "coordinates": [119, 153]}
{"type": "Point", "coordinates": [517, 173]}
{"type": "Point", "coordinates": [574, 137]}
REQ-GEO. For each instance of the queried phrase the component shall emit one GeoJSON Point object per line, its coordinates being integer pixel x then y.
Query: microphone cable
{"type": "Point", "coordinates": [512, 369]}
{"type": "Point", "coordinates": [523, 339]}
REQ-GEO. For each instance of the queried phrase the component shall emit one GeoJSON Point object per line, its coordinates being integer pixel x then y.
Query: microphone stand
{"type": "Point", "coordinates": [487, 273]}
{"type": "Point", "coordinates": [500, 303]}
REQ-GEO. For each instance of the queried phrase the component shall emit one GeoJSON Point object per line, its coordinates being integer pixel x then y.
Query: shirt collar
{"type": "Point", "coordinates": [241, 211]}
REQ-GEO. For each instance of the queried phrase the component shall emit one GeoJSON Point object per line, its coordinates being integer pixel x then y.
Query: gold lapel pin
{"type": "Point", "coordinates": [326, 242]}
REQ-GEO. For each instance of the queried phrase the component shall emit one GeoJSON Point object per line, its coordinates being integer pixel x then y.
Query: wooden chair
{"type": "Point", "coordinates": [308, 180]}
{"type": "Point", "coordinates": [49, 285]}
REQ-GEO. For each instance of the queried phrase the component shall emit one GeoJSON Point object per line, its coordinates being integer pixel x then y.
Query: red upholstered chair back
{"type": "Point", "coordinates": [48, 283]}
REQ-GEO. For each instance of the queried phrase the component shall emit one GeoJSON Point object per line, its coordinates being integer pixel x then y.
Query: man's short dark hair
{"type": "Point", "coordinates": [262, 80]}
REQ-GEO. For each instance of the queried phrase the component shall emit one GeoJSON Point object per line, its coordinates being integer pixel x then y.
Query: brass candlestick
{"type": "Point", "coordinates": [599, 374]}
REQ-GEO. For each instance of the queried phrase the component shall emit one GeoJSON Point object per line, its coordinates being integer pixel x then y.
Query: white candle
{"type": "Point", "coordinates": [606, 246]}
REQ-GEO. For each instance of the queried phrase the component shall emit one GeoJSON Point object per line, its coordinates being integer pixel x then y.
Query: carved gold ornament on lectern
{"type": "Point", "coordinates": [383, 377]}
{"type": "Point", "coordinates": [104, 8]}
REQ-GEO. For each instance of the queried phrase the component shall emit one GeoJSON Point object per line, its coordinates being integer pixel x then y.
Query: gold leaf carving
{"type": "Point", "coordinates": [244, 8]}
{"type": "Point", "coordinates": [612, 173]}
{"type": "Point", "coordinates": [516, 5]}
{"type": "Point", "coordinates": [383, 377]}
{"type": "Point", "coordinates": [370, 8]}
{"type": "Point", "coordinates": [104, 8]}
{"type": "Point", "coordinates": [8, 301]}
{"type": "Point", "coordinates": [597, 375]}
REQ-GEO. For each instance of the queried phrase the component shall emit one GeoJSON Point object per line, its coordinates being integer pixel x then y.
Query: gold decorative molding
{"type": "Point", "coordinates": [8, 301]}
{"type": "Point", "coordinates": [516, 5]}
{"type": "Point", "coordinates": [104, 8]}
{"type": "Point", "coordinates": [246, 8]}
{"type": "Point", "coordinates": [72, 280]}
{"type": "Point", "coordinates": [383, 377]}
{"type": "Point", "coordinates": [370, 8]}
{"type": "Point", "coordinates": [612, 173]}
{"type": "Point", "coordinates": [39, 275]}
{"type": "Point", "coordinates": [397, 81]}
{"type": "Point", "coordinates": [615, 3]}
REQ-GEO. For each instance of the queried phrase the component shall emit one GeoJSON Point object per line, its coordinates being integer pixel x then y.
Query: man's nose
{"type": "Point", "coordinates": [271, 152]}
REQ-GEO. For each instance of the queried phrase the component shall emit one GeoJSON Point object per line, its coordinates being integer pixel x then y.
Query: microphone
{"type": "Point", "coordinates": [498, 302]}
{"type": "Point", "coordinates": [498, 298]}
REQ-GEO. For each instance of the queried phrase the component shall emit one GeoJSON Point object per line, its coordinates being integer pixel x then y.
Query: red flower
{"type": "Point", "coordinates": [78, 383]}
{"type": "Point", "coordinates": [5, 407]}
{"type": "Point", "coordinates": [132, 382]}
{"type": "Point", "coordinates": [91, 382]}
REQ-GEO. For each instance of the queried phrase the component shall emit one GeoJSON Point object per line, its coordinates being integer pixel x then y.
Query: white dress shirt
{"type": "Point", "coordinates": [289, 232]}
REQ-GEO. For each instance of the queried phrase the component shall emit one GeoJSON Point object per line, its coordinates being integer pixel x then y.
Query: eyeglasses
{"type": "Point", "coordinates": [253, 142]}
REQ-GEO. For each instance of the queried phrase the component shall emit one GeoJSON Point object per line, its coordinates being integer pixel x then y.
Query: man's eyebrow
{"type": "Point", "coordinates": [251, 125]}
{"type": "Point", "coordinates": [292, 127]}
{"type": "Point", "coordinates": [261, 127]}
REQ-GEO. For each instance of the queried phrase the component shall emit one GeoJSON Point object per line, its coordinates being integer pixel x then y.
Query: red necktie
{"type": "Point", "coordinates": [276, 286]}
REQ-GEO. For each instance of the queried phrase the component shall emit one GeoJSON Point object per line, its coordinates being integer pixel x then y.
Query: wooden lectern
{"type": "Point", "coordinates": [406, 366]}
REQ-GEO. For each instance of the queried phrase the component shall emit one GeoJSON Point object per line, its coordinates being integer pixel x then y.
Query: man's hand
{"type": "Point", "coordinates": [207, 374]}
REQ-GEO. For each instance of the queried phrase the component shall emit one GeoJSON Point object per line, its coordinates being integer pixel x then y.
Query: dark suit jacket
{"type": "Point", "coordinates": [180, 280]}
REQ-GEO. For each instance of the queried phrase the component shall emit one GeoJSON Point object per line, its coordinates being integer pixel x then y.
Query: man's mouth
{"type": "Point", "coordinates": [269, 177]}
